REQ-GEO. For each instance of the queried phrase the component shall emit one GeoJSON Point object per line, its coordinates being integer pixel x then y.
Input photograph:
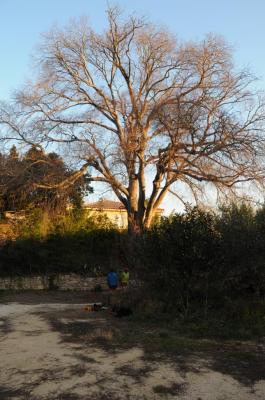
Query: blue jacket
{"type": "Point", "coordinates": [112, 279]}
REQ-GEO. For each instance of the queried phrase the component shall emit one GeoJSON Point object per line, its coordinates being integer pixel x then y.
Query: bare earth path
{"type": "Point", "coordinates": [56, 350]}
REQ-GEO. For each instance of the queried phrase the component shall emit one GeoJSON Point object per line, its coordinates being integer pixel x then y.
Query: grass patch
{"type": "Point", "coordinates": [221, 329]}
{"type": "Point", "coordinates": [185, 335]}
{"type": "Point", "coordinates": [174, 389]}
{"type": "Point", "coordinates": [157, 338]}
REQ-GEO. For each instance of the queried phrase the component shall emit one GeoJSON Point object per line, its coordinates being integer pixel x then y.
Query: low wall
{"type": "Point", "coordinates": [60, 281]}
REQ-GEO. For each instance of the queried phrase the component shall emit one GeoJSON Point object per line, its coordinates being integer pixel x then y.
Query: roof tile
{"type": "Point", "coordinates": [106, 205]}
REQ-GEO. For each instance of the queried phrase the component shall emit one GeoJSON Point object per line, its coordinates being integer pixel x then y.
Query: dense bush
{"type": "Point", "coordinates": [73, 242]}
{"type": "Point", "coordinates": [180, 258]}
{"type": "Point", "coordinates": [197, 262]}
{"type": "Point", "coordinates": [200, 261]}
{"type": "Point", "coordinates": [82, 252]}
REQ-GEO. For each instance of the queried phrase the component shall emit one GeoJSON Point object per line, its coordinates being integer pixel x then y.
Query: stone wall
{"type": "Point", "coordinates": [61, 282]}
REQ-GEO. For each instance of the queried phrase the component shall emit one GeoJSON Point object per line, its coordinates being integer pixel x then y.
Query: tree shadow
{"type": "Point", "coordinates": [243, 361]}
{"type": "Point", "coordinates": [5, 326]}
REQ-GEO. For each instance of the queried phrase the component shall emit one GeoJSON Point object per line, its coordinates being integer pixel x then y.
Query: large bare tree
{"type": "Point", "coordinates": [144, 111]}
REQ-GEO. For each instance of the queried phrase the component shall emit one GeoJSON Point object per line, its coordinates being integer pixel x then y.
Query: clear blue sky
{"type": "Point", "coordinates": [241, 22]}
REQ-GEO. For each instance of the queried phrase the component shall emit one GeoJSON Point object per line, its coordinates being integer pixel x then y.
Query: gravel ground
{"type": "Point", "coordinates": [51, 348]}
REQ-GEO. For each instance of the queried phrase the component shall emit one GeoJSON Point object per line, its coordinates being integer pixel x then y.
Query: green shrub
{"type": "Point", "coordinates": [193, 264]}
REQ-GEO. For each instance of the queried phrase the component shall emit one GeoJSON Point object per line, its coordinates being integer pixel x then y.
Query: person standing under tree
{"type": "Point", "coordinates": [125, 276]}
{"type": "Point", "coordinates": [112, 279]}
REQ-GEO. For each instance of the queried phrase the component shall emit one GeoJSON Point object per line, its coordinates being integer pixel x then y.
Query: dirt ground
{"type": "Point", "coordinates": [51, 348]}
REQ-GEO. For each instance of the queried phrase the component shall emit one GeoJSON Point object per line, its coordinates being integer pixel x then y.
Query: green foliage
{"type": "Point", "coordinates": [179, 258]}
{"type": "Point", "coordinates": [37, 224]}
{"type": "Point", "coordinates": [79, 253]}
{"type": "Point", "coordinates": [73, 242]}
{"type": "Point", "coordinates": [242, 247]}
{"type": "Point", "coordinates": [97, 288]}
{"type": "Point", "coordinates": [30, 180]}
{"type": "Point", "coordinates": [198, 264]}
{"type": "Point", "coordinates": [200, 261]}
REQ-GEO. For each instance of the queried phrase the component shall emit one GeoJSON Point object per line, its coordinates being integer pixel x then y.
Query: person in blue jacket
{"type": "Point", "coordinates": [112, 279]}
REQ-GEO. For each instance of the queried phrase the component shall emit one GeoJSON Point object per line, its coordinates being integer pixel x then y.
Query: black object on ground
{"type": "Point", "coordinates": [121, 311]}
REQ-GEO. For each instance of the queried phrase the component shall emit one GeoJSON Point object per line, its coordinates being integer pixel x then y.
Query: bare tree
{"type": "Point", "coordinates": [135, 103]}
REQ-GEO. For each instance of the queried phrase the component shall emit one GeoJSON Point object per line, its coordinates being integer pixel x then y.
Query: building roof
{"type": "Point", "coordinates": [110, 205]}
{"type": "Point", "coordinates": [106, 205]}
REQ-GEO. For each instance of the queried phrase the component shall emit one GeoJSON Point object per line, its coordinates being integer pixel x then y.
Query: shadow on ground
{"type": "Point", "coordinates": [243, 361]}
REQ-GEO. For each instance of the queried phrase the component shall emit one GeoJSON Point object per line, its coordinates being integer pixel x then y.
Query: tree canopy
{"type": "Point", "coordinates": [23, 181]}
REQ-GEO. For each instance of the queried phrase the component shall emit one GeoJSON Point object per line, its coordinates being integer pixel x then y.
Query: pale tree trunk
{"type": "Point", "coordinates": [138, 221]}
{"type": "Point", "coordinates": [135, 229]}
{"type": "Point", "coordinates": [148, 219]}
{"type": "Point", "coordinates": [135, 210]}
{"type": "Point", "coordinates": [135, 224]}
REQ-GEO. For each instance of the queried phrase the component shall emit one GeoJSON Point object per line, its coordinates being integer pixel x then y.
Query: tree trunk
{"type": "Point", "coordinates": [148, 219]}
{"type": "Point", "coordinates": [138, 221]}
{"type": "Point", "coordinates": [135, 229]}
{"type": "Point", "coordinates": [135, 224]}
{"type": "Point", "coordinates": [135, 209]}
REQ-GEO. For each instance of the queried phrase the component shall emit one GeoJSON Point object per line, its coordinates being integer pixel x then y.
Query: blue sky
{"type": "Point", "coordinates": [22, 21]}
{"type": "Point", "coordinates": [241, 22]}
